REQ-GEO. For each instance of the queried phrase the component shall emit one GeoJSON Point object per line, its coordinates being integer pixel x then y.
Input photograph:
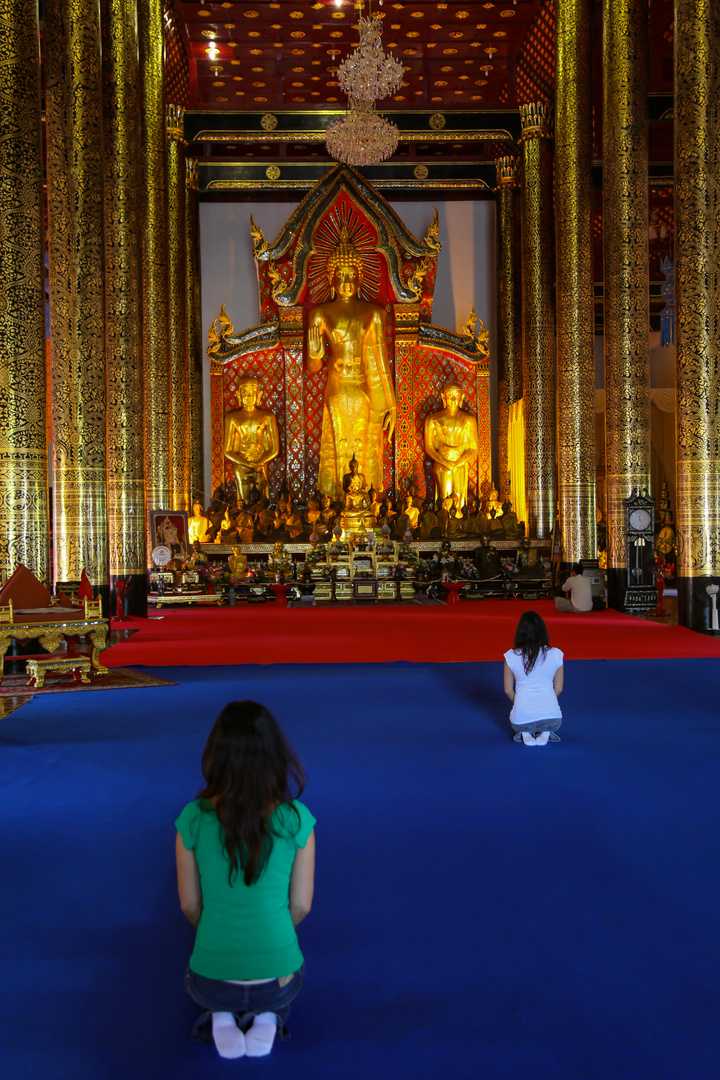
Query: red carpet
{"type": "Point", "coordinates": [465, 632]}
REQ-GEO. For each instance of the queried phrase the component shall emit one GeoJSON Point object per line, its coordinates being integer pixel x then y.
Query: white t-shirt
{"type": "Point", "coordinates": [580, 589]}
{"type": "Point", "coordinates": [535, 697]}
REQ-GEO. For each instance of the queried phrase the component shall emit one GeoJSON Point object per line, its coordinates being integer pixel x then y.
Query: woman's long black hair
{"type": "Point", "coordinates": [249, 769]}
{"type": "Point", "coordinates": [531, 637]}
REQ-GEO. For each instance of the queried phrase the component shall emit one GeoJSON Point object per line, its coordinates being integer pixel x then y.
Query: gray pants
{"type": "Point", "coordinates": [563, 604]}
{"type": "Point", "coordinates": [537, 726]}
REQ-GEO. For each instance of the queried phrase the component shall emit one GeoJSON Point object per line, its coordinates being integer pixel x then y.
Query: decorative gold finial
{"type": "Point", "coordinates": [432, 240]}
{"type": "Point", "coordinates": [191, 174]}
{"type": "Point", "coordinates": [536, 120]}
{"type": "Point", "coordinates": [174, 119]}
{"type": "Point", "coordinates": [260, 244]}
{"type": "Point", "coordinates": [508, 172]}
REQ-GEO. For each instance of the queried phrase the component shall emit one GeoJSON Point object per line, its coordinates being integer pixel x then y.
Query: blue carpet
{"type": "Point", "coordinates": [482, 909]}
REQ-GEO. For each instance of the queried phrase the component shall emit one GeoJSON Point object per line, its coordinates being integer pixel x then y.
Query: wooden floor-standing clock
{"type": "Point", "coordinates": [640, 593]}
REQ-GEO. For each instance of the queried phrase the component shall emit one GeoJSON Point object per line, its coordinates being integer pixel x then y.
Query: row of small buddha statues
{"type": "Point", "coordinates": [232, 520]}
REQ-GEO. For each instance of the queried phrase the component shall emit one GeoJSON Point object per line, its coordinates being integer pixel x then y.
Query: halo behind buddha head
{"type": "Point", "coordinates": [343, 238]}
{"type": "Point", "coordinates": [345, 254]}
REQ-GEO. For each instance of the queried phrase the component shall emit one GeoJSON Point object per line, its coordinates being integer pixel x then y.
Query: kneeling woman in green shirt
{"type": "Point", "coordinates": [246, 865]}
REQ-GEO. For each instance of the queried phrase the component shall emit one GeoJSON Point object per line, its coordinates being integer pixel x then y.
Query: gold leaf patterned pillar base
{"type": "Point", "coordinates": [77, 294]}
{"type": "Point", "coordinates": [154, 266]}
{"type": "Point", "coordinates": [625, 252]}
{"type": "Point", "coordinates": [575, 301]}
{"type": "Point", "coordinates": [697, 358]}
{"type": "Point", "coordinates": [126, 473]}
{"type": "Point", "coordinates": [509, 302]}
{"type": "Point", "coordinates": [179, 372]}
{"type": "Point", "coordinates": [194, 336]}
{"type": "Point", "coordinates": [24, 525]}
{"type": "Point", "coordinates": [538, 317]}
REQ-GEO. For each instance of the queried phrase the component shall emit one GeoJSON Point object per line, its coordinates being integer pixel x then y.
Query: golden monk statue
{"type": "Point", "coordinates": [359, 395]}
{"type": "Point", "coordinates": [237, 563]}
{"type": "Point", "coordinates": [198, 525]}
{"type": "Point", "coordinates": [251, 439]}
{"type": "Point", "coordinates": [451, 440]}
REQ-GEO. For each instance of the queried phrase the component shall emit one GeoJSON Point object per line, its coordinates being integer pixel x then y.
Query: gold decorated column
{"type": "Point", "coordinates": [123, 338]}
{"type": "Point", "coordinates": [625, 254]}
{"type": "Point", "coordinates": [154, 260]}
{"type": "Point", "coordinates": [697, 304]}
{"type": "Point", "coordinates": [194, 335]}
{"type": "Point", "coordinates": [509, 305]}
{"type": "Point", "coordinates": [575, 300]}
{"type": "Point", "coordinates": [538, 317]}
{"type": "Point", "coordinates": [179, 376]}
{"type": "Point", "coordinates": [77, 300]}
{"type": "Point", "coordinates": [23, 424]}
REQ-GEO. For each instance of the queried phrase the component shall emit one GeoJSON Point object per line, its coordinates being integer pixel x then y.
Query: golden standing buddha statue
{"type": "Point", "coordinates": [250, 439]}
{"type": "Point", "coordinates": [198, 525]}
{"type": "Point", "coordinates": [451, 440]}
{"type": "Point", "coordinates": [359, 396]}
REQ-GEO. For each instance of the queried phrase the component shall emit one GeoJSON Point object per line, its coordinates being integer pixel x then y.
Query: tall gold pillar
{"type": "Point", "coordinates": [697, 304]}
{"type": "Point", "coordinates": [509, 305]}
{"type": "Point", "coordinates": [179, 374]}
{"type": "Point", "coordinates": [625, 253]}
{"type": "Point", "coordinates": [23, 423]}
{"type": "Point", "coordinates": [575, 301]}
{"type": "Point", "coordinates": [77, 300]}
{"type": "Point", "coordinates": [154, 260]}
{"type": "Point", "coordinates": [194, 334]}
{"type": "Point", "coordinates": [538, 317]}
{"type": "Point", "coordinates": [123, 310]}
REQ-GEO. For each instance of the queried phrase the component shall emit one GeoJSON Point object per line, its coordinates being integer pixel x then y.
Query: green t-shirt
{"type": "Point", "coordinates": [245, 931]}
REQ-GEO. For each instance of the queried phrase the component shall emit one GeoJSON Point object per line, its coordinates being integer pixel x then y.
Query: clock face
{"type": "Point", "coordinates": [640, 520]}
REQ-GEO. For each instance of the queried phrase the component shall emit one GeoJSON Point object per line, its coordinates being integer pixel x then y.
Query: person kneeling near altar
{"type": "Point", "coordinates": [580, 590]}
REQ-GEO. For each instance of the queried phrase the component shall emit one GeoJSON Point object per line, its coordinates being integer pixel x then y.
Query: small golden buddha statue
{"type": "Point", "coordinates": [493, 502]}
{"type": "Point", "coordinates": [244, 523]}
{"type": "Point", "coordinates": [451, 440]}
{"type": "Point", "coordinates": [198, 525]}
{"type": "Point", "coordinates": [411, 511]}
{"type": "Point", "coordinates": [357, 514]}
{"type": "Point", "coordinates": [250, 439]}
{"type": "Point", "coordinates": [359, 394]}
{"type": "Point", "coordinates": [665, 540]}
{"type": "Point", "coordinates": [237, 563]}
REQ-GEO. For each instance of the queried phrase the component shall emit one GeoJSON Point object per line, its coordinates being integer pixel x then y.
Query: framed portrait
{"type": "Point", "coordinates": [169, 528]}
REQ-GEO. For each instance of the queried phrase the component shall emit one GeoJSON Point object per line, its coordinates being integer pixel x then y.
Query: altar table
{"type": "Point", "coordinates": [50, 626]}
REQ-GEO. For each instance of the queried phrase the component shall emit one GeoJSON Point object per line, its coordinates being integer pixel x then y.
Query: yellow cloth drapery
{"type": "Point", "coordinates": [516, 458]}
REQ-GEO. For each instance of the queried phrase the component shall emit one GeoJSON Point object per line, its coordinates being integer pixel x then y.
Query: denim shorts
{"type": "Point", "coordinates": [244, 1002]}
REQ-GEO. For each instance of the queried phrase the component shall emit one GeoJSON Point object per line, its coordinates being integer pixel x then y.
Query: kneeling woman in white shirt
{"type": "Point", "coordinates": [533, 680]}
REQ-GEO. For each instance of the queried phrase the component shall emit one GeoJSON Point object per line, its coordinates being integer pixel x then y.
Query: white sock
{"type": "Point", "coordinates": [542, 738]}
{"type": "Point", "coordinates": [260, 1037]}
{"type": "Point", "coordinates": [229, 1039]}
{"type": "Point", "coordinates": [528, 739]}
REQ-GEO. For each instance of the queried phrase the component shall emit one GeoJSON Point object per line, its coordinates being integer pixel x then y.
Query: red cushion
{"type": "Point", "coordinates": [24, 589]}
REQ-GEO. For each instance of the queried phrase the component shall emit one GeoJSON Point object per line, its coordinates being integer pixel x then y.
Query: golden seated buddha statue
{"type": "Point", "coordinates": [358, 514]}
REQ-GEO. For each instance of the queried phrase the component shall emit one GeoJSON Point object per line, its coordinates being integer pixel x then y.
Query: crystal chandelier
{"type": "Point", "coordinates": [369, 75]}
{"type": "Point", "coordinates": [361, 136]}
